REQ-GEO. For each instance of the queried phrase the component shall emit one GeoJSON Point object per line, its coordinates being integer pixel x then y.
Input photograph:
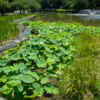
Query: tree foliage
{"type": "Point", "coordinates": [4, 5]}
{"type": "Point", "coordinates": [47, 4]}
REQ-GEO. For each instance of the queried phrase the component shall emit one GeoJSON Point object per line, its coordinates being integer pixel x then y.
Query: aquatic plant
{"type": "Point", "coordinates": [32, 68]}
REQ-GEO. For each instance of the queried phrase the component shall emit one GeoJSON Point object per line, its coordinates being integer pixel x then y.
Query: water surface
{"type": "Point", "coordinates": [93, 20]}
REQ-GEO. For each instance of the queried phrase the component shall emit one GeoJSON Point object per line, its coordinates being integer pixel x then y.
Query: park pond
{"type": "Point", "coordinates": [86, 19]}
{"type": "Point", "coordinates": [58, 61]}
{"type": "Point", "coordinates": [9, 30]}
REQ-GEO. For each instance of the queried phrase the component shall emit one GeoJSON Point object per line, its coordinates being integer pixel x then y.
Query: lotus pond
{"type": "Point", "coordinates": [36, 68]}
{"type": "Point", "coordinates": [9, 30]}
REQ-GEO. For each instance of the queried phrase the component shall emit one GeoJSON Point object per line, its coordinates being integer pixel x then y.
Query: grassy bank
{"type": "Point", "coordinates": [8, 29]}
{"type": "Point", "coordinates": [81, 79]}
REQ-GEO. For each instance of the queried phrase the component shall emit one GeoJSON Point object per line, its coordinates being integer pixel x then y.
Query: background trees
{"type": "Point", "coordinates": [11, 5]}
{"type": "Point", "coordinates": [81, 4]}
{"type": "Point", "coordinates": [4, 6]}
{"type": "Point", "coordinates": [22, 5]}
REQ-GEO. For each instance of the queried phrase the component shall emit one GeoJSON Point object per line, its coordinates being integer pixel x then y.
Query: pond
{"type": "Point", "coordinates": [85, 19]}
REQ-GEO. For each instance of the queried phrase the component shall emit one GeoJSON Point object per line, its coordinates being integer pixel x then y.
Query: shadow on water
{"type": "Point", "coordinates": [93, 20]}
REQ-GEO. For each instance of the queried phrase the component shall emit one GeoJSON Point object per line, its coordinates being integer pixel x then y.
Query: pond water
{"type": "Point", "coordinates": [85, 19]}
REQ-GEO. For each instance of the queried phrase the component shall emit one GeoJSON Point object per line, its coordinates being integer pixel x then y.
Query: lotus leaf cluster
{"type": "Point", "coordinates": [33, 67]}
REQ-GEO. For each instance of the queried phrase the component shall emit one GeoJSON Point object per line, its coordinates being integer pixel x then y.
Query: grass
{"type": "Point", "coordinates": [8, 29]}
{"type": "Point", "coordinates": [81, 79]}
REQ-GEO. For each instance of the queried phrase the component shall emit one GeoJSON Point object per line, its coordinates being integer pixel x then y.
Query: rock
{"type": "Point", "coordinates": [1, 98]}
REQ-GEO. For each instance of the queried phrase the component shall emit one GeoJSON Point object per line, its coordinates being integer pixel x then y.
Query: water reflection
{"type": "Point", "coordinates": [84, 19]}
{"type": "Point", "coordinates": [90, 17]}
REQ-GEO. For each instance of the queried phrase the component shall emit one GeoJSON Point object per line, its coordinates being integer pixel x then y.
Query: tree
{"type": "Point", "coordinates": [66, 3]}
{"type": "Point", "coordinates": [79, 4]}
{"type": "Point", "coordinates": [11, 5]}
{"type": "Point", "coordinates": [26, 4]}
{"type": "Point", "coordinates": [4, 6]}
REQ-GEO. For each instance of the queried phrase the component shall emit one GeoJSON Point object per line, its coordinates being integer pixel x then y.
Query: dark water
{"type": "Point", "coordinates": [93, 20]}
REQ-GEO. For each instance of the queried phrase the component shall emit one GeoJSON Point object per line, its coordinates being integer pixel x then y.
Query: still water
{"type": "Point", "coordinates": [85, 19]}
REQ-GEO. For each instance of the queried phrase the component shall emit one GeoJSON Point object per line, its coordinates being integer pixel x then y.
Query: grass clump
{"type": "Point", "coordinates": [79, 80]}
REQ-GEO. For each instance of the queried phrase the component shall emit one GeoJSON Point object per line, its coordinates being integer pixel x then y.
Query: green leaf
{"type": "Point", "coordinates": [1, 70]}
{"type": "Point", "coordinates": [19, 67]}
{"type": "Point", "coordinates": [26, 78]}
{"type": "Point", "coordinates": [7, 69]}
{"type": "Point", "coordinates": [15, 77]}
{"type": "Point", "coordinates": [41, 63]}
{"type": "Point", "coordinates": [51, 89]}
{"type": "Point", "coordinates": [3, 79]}
{"type": "Point", "coordinates": [6, 90]}
{"type": "Point", "coordinates": [15, 57]}
{"type": "Point", "coordinates": [36, 85]}
{"type": "Point", "coordinates": [13, 83]}
{"type": "Point", "coordinates": [33, 55]}
{"type": "Point", "coordinates": [44, 80]}
{"type": "Point", "coordinates": [20, 87]}
{"type": "Point", "coordinates": [35, 75]}
{"type": "Point", "coordinates": [3, 62]}
{"type": "Point", "coordinates": [39, 91]}
{"type": "Point", "coordinates": [50, 68]}
{"type": "Point", "coordinates": [52, 60]}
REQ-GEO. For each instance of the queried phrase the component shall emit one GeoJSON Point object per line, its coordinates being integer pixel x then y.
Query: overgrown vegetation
{"type": "Point", "coordinates": [79, 80]}
{"type": "Point", "coordinates": [34, 67]}
{"type": "Point", "coordinates": [31, 69]}
{"type": "Point", "coordinates": [48, 5]}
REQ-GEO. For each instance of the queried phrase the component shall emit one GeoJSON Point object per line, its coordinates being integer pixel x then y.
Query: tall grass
{"type": "Point", "coordinates": [80, 80]}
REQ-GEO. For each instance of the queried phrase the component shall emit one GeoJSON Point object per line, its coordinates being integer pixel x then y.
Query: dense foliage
{"type": "Point", "coordinates": [80, 80]}
{"type": "Point", "coordinates": [11, 5]}
{"type": "Point", "coordinates": [72, 28]}
{"type": "Point", "coordinates": [32, 69]}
